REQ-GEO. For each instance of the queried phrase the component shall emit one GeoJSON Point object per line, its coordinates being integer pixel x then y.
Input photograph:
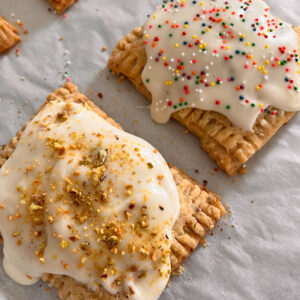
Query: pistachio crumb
{"type": "Point", "coordinates": [64, 244]}
{"type": "Point", "coordinates": [129, 189]}
{"type": "Point", "coordinates": [150, 165]}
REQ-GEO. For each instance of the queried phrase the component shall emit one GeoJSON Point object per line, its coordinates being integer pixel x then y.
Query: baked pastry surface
{"type": "Point", "coordinates": [8, 35]}
{"type": "Point", "coordinates": [61, 5]}
{"type": "Point", "coordinates": [199, 212]}
{"type": "Point", "coordinates": [229, 146]}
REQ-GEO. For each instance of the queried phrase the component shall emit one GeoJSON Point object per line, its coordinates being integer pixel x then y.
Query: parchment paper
{"type": "Point", "coordinates": [256, 255]}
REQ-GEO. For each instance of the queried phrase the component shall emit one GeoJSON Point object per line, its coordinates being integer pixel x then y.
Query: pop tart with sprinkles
{"type": "Point", "coordinates": [229, 71]}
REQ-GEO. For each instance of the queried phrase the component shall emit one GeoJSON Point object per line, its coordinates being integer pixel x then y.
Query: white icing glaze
{"type": "Point", "coordinates": [200, 37]}
{"type": "Point", "coordinates": [55, 217]}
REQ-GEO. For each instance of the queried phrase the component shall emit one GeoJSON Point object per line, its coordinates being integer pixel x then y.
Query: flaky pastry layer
{"type": "Point", "coordinates": [8, 35]}
{"type": "Point", "coordinates": [61, 5]}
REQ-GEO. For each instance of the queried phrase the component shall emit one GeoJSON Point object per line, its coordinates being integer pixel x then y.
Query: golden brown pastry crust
{"type": "Point", "coordinates": [8, 35]}
{"type": "Point", "coordinates": [200, 209]}
{"type": "Point", "coordinates": [229, 146]}
{"type": "Point", "coordinates": [61, 5]}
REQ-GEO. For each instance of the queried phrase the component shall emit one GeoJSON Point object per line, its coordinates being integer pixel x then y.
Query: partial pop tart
{"type": "Point", "coordinates": [93, 210]}
{"type": "Point", "coordinates": [227, 70]}
{"type": "Point", "coordinates": [61, 5]}
{"type": "Point", "coordinates": [8, 36]}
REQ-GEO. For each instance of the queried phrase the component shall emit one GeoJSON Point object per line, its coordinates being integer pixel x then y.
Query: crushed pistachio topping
{"type": "Point", "coordinates": [83, 216]}
{"type": "Point", "coordinates": [150, 165]}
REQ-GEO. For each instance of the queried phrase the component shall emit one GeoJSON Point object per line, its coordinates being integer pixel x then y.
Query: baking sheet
{"type": "Point", "coordinates": [255, 252]}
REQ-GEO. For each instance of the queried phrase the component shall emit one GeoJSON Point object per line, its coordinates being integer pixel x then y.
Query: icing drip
{"type": "Point", "coordinates": [82, 198]}
{"type": "Point", "coordinates": [232, 57]}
